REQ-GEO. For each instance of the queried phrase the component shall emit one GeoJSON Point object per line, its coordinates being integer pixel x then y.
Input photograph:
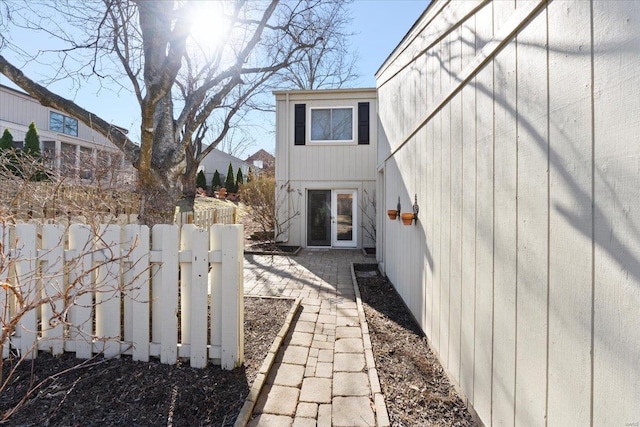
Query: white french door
{"type": "Point", "coordinates": [344, 210]}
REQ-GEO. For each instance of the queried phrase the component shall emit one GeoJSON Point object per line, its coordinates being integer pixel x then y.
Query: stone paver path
{"type": "Point", "coordinates": [321, 375]}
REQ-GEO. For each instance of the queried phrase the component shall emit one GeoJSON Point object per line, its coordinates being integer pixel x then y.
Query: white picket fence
{"type": "Point", "coordinates": [124, 290]}
{"type": "Point", "coordinates": [205, 218]}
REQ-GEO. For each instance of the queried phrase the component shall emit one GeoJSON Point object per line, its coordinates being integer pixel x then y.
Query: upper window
{"type": "Point", "coordinates": [332, 124]}
{"type": "Point", "coordinates": [63, 124]}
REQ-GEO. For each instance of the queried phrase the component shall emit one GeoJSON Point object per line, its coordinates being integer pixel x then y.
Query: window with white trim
{"type": "Point", "coordinates": [332, 124]}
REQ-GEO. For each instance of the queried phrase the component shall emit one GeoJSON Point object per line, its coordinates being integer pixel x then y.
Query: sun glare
{"type": "Point", "coordinates": [210, 24]}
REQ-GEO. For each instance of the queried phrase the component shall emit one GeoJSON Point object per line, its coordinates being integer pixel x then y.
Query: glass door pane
{"type": "Point", "coordinates": [319, 218]}
{"type": "Point", "coordinates": [344, 215]}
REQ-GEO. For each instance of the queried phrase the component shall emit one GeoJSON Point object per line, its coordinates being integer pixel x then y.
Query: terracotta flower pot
{"type": "Point", "coordinates": [392, 213]}
{"type": "Point", "coordinates": [407, 218]}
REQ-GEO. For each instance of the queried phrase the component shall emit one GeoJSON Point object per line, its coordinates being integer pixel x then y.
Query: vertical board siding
{"type": "Point", "coordinates": [616, 300]}
{"type": "Point", "coordinates": [533, 215]}
{"type": "Point", "coordinates": [505, 197]}
{"type": "Point", "coordinates": [527, 283]}
{"type": "Point", "coordinates": [570, 217]}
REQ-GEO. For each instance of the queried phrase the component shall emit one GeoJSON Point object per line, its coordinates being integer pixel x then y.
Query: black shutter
{"type": "Point", "coordinates": [363, 123]}
{"type": "Point", "coordinates": [299, 123]}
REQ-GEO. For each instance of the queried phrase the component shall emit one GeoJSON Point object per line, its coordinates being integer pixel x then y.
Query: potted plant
{"type": "Point", "coordinates": [393, 214]}
{"type": "Point", "coordinates": [407, 218]}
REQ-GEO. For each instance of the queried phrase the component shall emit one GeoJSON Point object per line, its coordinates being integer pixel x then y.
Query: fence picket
{"type": "Point", "coordinates": [26, 279]}
{"type": "Point", "coordinates": [232, 298]}
{"type": "Point", "coordinates": [108, 291]}
{"type": "Point", "coordinates": [52, 257]}
{"type": "Point", "coordinates": [164, 309]}
{"type": "Point", "coordinates": [80, 279]}
{"type": "Point", "coordinates": [215, 283]}
{"type": "Point", "coordinates": [185, 284]}
{"type": "Point", "coordinates": [136, 277]}
{"type": "Point", "coordinates": [6, 309]}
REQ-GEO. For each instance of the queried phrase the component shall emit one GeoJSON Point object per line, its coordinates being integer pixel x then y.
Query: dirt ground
{"type": "Point", "coordinates": [416, 389]}
{"type": "Point", "coordinates": [102, 392]}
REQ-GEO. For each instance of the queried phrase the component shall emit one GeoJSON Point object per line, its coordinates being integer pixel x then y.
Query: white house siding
{"type": "Point", "coordinates": [219, 160]}
{"type": "Point", "coordinates": [18, 110]}
{"type": "Point", "coordinates": [327, 165]}
{"type": "Point", "coordinates": [516, 125]}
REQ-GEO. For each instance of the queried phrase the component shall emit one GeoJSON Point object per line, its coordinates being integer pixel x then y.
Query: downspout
{"type": "Point", "coordinates": [286, 153]}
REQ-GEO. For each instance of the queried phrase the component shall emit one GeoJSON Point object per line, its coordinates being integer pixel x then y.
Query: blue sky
{"type": "Point", "coordinates": [379, 26]}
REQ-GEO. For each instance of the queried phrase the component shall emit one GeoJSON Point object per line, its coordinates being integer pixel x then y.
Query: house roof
{"type": "Point", "coordinates": [261, 154]}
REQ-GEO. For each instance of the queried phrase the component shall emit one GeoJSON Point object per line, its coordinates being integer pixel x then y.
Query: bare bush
{"type": "Point", "coordinates": [272, 210]}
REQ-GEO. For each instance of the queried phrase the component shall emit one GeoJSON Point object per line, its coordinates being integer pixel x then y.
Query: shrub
{"type": "Point", "coordinates": [215, 181]}
{"type": "Point", "coordinates": [273, 212]}
{"type": "Point", "coordinates": [239, 180]}
{"type": "Point", "coordinates": [6, 142]}
{"type": "Point", "coordinates": [201, 180]}
{"type": "Point", "coordinates": [230, 183]}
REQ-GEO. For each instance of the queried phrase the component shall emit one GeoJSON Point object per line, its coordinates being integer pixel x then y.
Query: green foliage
{"type": "Point", "coordinates": [6, 142]}
{"type": "Point", "coordinates": [201, 180]}
{"type": "Point", "coordinates": [215, 182]}
{"type": "Point", "coordinates": [239, 179]}
{"type": "Point", "coordinates": [32, 163]}
{"type": "Point", "coordinates": [230, 183]}
{"type": "Point", "coordinates": [250, 175]}
{"type": "Point", "coordinates": [32, 141]}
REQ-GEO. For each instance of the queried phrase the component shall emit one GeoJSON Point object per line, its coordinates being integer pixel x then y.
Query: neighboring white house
{"type": "Point", "coordinates": [69, 146]}
{"type": "Point", "coordinates": [219, 160]}
{"type": "Point", "coordinates": [326, 145]}
{"type": "Point", "coordinates": [516, 124]}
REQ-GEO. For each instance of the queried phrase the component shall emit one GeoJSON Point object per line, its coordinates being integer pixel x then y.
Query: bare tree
{"type": "Point", "coordinates": [331, 63]}
{"type": "Point", "coordinates": [185, 87]}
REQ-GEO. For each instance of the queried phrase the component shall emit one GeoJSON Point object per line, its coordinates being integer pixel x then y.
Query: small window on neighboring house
{"type": "Point", "coordinates": [49, 153]}
{"type": "Point", "coordinates": [63, 124]}
{"type": "Point", "coordinates": [18, 145]}
{"type": "Point", "coordinates": [332, 124]}
{"type": "Point", "coordinates": [86, 163]}
{"type": "Point", "coordinates": [67, 159]}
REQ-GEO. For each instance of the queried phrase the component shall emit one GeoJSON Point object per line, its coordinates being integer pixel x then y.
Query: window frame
{"type": "Point", "coordinates": [73, 124]}
{"type": "Point", "coordinates": [352, 141]}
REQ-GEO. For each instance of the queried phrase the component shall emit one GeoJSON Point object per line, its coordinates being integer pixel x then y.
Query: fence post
{"type": "Point", "coordinates": [53, 286]}
{"type": "Point", "coordinates": [198, 243]}
{"type": "Point", "coordinates": [232, 298]}
{"type": "Point", "coordinates": [164, 309]}
{"type": "Point", "coordinates": [80, 314]}
{"type": "Point", "coordinates": [27, 281]}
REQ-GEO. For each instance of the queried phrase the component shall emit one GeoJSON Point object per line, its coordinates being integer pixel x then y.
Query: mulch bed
{"type": "Point", "coordinates": [416, 388]}
{"type": "Point", "coordinates": [123, 392]}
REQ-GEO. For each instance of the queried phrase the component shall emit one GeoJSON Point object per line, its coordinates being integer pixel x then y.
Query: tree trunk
{"type": "Point", "coordinates": [188, 179]}
{"type": "Point", "coordinates": [157, 205]}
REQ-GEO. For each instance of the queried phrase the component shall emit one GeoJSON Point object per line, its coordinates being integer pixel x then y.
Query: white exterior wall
{"type": "Point", "coordinates": [324, 165]}
{"type": "Point", "coordinates": [524, 268]}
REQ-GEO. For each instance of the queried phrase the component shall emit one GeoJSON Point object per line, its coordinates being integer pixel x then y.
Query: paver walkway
{"type": "Point", "coordinates": [321, 375]}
